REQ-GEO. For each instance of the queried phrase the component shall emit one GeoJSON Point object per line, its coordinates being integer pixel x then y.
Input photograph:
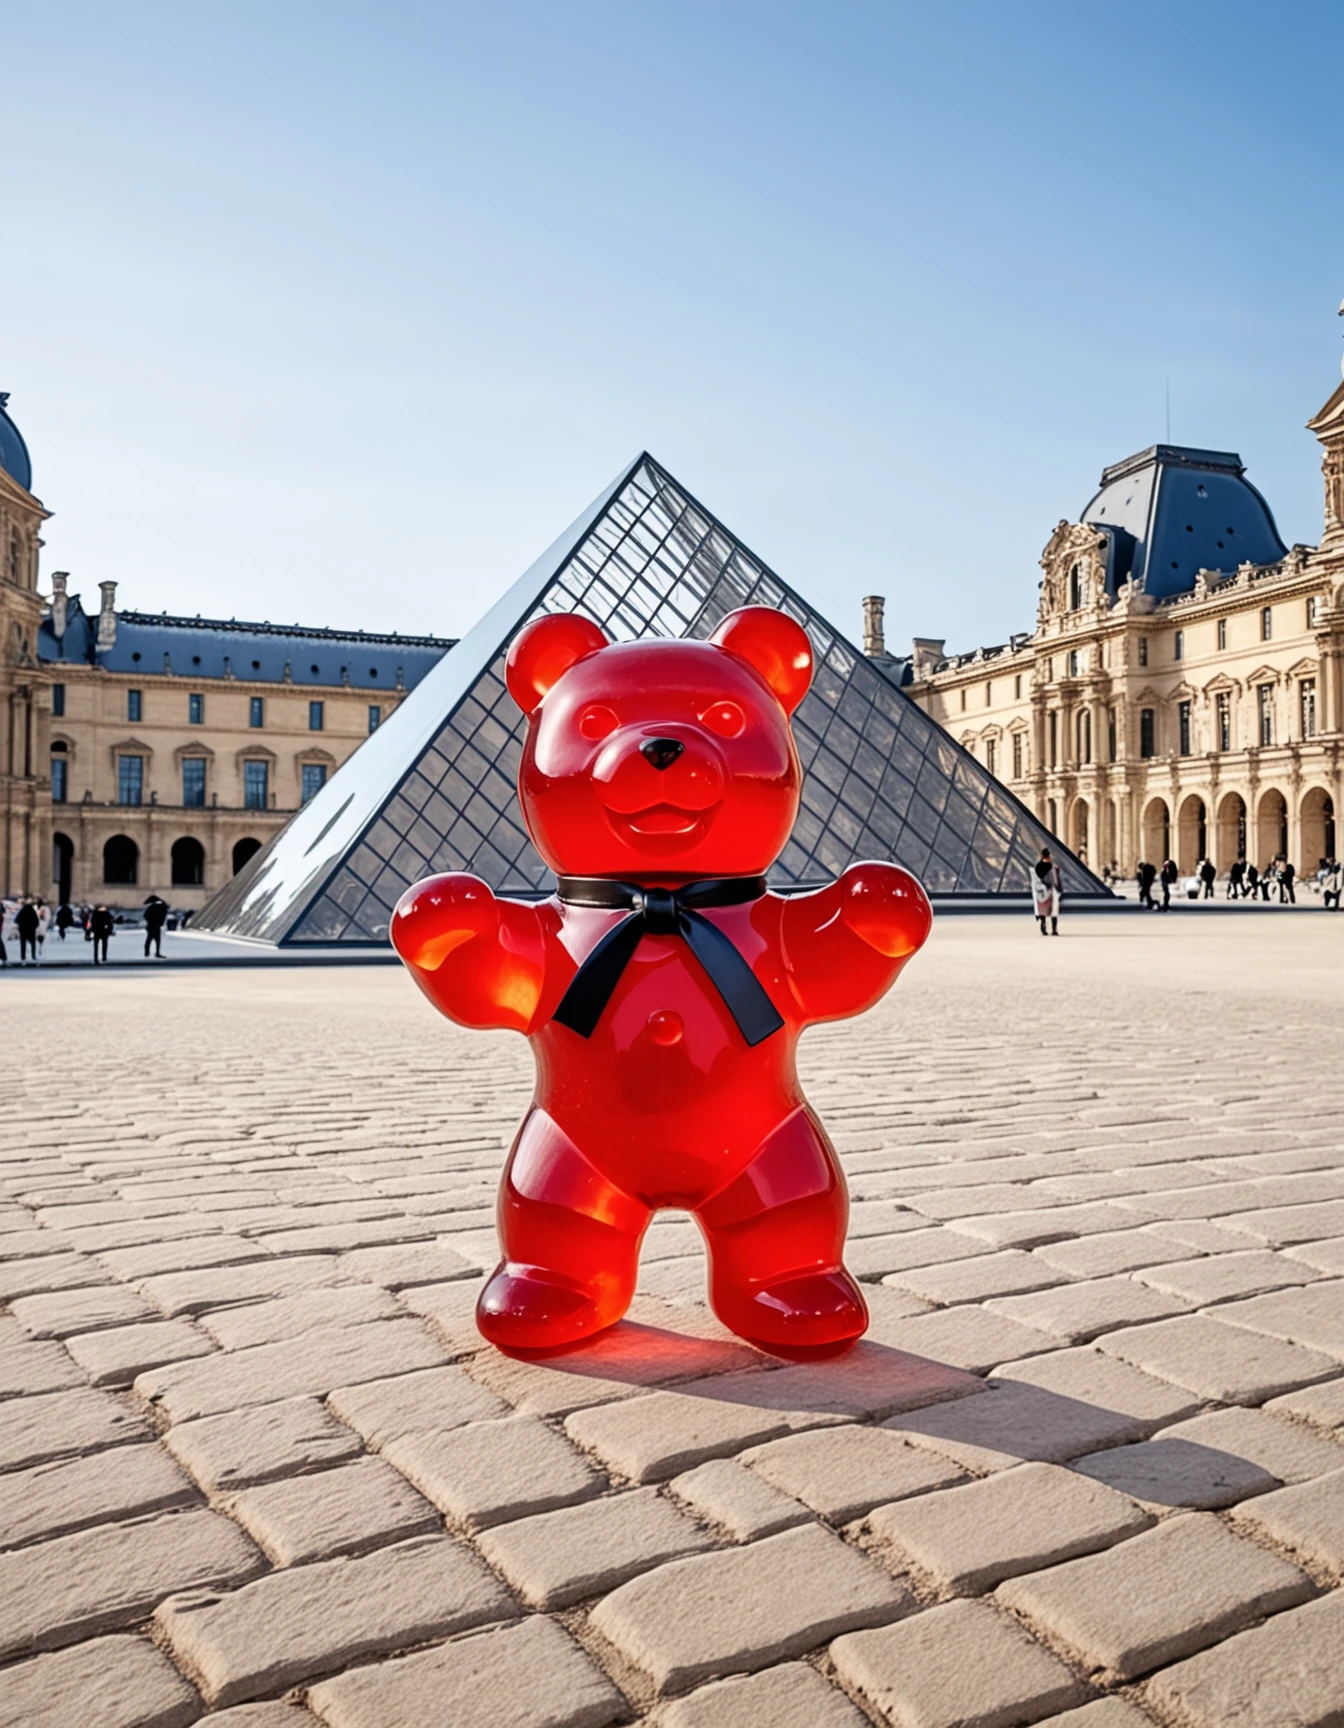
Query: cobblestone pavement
{"type": "Point", "coordinates": [1087, 1468]}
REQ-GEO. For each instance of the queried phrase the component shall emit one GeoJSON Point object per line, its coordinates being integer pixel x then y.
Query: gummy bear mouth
{"type": "Point", "coordinates": [665, 822]}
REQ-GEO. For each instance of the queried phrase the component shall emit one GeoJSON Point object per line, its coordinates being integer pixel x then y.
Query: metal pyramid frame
{"type": "Point", "coordinates": [433, 788]}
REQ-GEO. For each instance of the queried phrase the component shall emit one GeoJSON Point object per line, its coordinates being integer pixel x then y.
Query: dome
{"type": "Point", "coordinates": [1172, 512]}
{"type": "Point", "coordinates": [13, 451]}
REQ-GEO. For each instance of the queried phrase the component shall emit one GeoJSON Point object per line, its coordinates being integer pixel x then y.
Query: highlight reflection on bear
{"type": "Point", "coordinates": [662, 987]}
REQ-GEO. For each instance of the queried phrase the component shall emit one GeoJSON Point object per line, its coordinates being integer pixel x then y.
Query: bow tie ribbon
{"type": "Point", "coordinates": [665, 912]}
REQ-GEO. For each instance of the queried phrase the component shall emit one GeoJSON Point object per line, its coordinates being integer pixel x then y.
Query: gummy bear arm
{"type": "Point", "coordinates": [846, 944]}
{"type": "Point", "coordinates": [478, 959]}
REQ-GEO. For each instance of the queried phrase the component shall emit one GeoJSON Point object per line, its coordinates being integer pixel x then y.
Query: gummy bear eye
{"type": "Point", "coordinates": [725, 718]}
{"type": "Point", "coordinates": [597, 721]}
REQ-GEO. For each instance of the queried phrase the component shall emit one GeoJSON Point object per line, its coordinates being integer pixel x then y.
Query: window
{"type": "Point", "coordinates": [989, 692]}
{"type": "Point", "coordinates": [255, 783]}
{"type": "Point", "coordinates": [1183, 726]}
{"type": "Point", "coordinates": [1223, 703]}
{"type": "Point", "coordinates": [1017, 686]}
{"type": "Point", "coordinates": [963, 701]}
{"type": "Point", "coordinates": [375, 716]}
{"type": "Point", "coordinates": [60, 780]}
{"type": "Point", "coordinates": [193, 782]}
{"type": "Point", "coordinates": [1085, 735]}
{"type": "Point", "coordinates": [1264, 696]}
{"type": "Point", "coordinates": [1075, 589]}
{"type": "Point", "coordinates": [1222, 633]}
{"type": "Point", "coordinates": [1050, 670]}
{"type": "Point", "coordinates": [1178, 645]}
{"type": "Point", "coordinates": [1266, 623]}
{"type": "Point", "coordinates": [134, 706]}
{"type": "Point", "coordinates": [1143, 650]}
{"type": "Point", "coordinates": [1054, 740]}
{"type": "Point", "coordinates": [1073, 662]}
{"type": "Point", "coordinates": [314, 778]}
{"type": "Point", "coordinates": [1313, 612]}
{"type": "Point", "coordinates": [1307, 704]}
{"type": "Point", "coordinates": [1110, 734]}
{"type": "Point", "coordinates": [1147, 746]}
{"type": "Point", "coordinates": [315, 716]}
{"type": "Point", "coordinates": [991, 752]}
{"type": "Point", "coordinates": [196, 709]}
{"type": "Point", "coordinates": [130, 779]}
{"type": "Point", "coordinates": [1017, 755]}
{"type": "Point", "coordinates": [256, 711]}
{"type": "Point", "coordinates": [58, 700]}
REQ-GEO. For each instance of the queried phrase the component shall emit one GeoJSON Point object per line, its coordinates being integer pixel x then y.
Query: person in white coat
{"type": "Point", "coordinates": [1046, 887]}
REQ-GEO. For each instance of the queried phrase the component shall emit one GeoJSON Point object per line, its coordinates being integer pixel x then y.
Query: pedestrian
{"type": "Point", "coordinates": [64, 919]}
{"type": "Point", "coordinates": [1046, 885]}
{"type": "Point", "coordinates": [1331, 884]}
{"type": "Point", "coordinates": [1168, 876]}
{"type": "Point", "coordinates": [156, 911]}
{"type": "Point", "coordinates": [1236, 875]}
{"type": "Point", "coordinates": [1147, 876]}
{"type": "Point", "coordinates": [1208, 874]}
{"type": "Point", "coordinates": [1266, 880]}
{"type": "Point", "coordinates": [100, 928]}
{"type": "Point", "coordinates": [1287, 872]}
{"type": "Point", "coordinates": [25, 922]}
{"type": "Point", "coordinates": [43, 925]}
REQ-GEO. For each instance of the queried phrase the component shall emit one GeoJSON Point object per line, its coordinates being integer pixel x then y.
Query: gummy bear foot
{"type": "Point", "coordinates": [811, 1315]}
{"type": "Point", "coordinates": [528, 1309]}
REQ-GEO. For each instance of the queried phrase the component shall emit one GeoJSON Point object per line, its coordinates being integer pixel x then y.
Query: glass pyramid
{"type": "Point", "coordinates": [433, 788]}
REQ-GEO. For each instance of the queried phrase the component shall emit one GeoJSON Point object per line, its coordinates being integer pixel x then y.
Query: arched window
{"type": "Point", "coordinates": [62, 865]}
{"type": "Point", "coordinates": [121, 862]}
{"type": "Point", "coordinates": [243, 850]}
{"type": "Point", "coordinates": [1075, 589]}
{"type": "Point", "coordinates": [188, 863]}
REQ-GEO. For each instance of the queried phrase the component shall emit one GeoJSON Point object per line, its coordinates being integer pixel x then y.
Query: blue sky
{"type": "Point", "coordinates": [340, 313]}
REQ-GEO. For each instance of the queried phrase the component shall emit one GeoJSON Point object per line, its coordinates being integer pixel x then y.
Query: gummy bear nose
{"type": "Point", "coordinates": [661, 752]}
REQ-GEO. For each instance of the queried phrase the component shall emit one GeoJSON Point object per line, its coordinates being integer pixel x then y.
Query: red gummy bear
{"type": "Point", "coordinates": [662, 988]}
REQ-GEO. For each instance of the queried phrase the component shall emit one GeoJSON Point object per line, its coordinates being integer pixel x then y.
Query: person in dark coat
{"type": "Point", "coordinates": [1235, 876]}
{"type": "Point", "coordinates": [1208, 875]}
{"type": "Point", "coordinates": [156, 911]}
{"type": "Point", "coordinates": [1147, 876]}
{"type": "Point", "coordinates": [100, 924]}
{"type": "Point", "coordinates": [1170, 875]}
{"type": "Point", "coordinates": [1287, 875]}
{"type": "Point", "coordinates": [25, 922]}
{"type": "Point", "coordinates": [64, 918]}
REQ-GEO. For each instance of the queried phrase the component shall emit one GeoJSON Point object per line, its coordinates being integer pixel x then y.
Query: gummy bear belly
{"type": "Point", "coordinates": [666, 1096]}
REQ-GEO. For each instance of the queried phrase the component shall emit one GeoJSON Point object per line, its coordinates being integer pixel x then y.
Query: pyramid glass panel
{"type": "Point", "coordinates": [433, 788]}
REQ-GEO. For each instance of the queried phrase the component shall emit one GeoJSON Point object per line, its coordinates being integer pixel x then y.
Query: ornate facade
{"type": "Point", "coordinates": [1182, 694]}
{"type": "Point", "coordinates": [145, 753]}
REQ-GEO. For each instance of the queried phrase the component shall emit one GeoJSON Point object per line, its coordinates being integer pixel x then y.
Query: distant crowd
{"type": "Point", "coordinates": [1243, 881]}
{"type": "Point", "coordinates": [28, 921]}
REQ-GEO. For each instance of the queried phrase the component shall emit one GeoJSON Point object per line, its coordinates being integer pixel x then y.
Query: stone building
{"type": "Point", "coordinates": [1182, 694]}
{"type": "Point", "coordinates": [150, 753]}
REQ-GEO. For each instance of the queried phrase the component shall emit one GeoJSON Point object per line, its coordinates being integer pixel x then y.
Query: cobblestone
{"type": "Point", "coordinates": [956, 1666]}
{"type": "Point", "coordinates": [302, 1623]}
{"type": "Point", "coordinates": [719, 1614]}
{"type": "Point", "coordinates": [969, 1538]}
{"type": "Point", "coordinates": [1157, 1597]}
{"type": "Point", "coordinates": [548, 1682]}
{"type": "Point", "coordinates": [329, 1237]}
{"type": "Point", "coordinates": [114, 1682]}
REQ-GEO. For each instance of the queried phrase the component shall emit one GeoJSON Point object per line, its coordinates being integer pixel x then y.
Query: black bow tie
{"type": "Point", "coordinates": [665, 912]}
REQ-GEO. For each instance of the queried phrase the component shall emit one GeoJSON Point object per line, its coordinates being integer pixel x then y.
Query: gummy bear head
{"type": "Point", "coordinates": [660, 761]}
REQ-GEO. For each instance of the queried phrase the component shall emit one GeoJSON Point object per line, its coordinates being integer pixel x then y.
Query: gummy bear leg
{"type": "Point", "coordinates": [776, 1240]}
{"type": "Point", "coordinates": [570, 1241]}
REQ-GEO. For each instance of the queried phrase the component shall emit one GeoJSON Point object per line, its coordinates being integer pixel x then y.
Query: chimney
{"type": "Point", "coordinates": [107, 617]}
{"type": "Point", "coordinates": [874, 641]}
{"type": "Point", "coordinates": [59, 603]}
{"type": "Point", "coordinates": [928, 651]}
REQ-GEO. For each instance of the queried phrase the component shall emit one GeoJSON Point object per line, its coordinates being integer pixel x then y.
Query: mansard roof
{"type": "Point", "coordinates": [149, 642]}
{"type": "Point", "coordinates": [1171, 511]}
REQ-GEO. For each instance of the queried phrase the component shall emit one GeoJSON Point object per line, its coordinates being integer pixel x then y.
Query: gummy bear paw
{"type": "Point", "coordinates": [526, 1309]}
{"type": "Point", "coordinates": [808, 1315]}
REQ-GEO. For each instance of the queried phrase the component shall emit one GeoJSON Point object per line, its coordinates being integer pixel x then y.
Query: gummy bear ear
{"type": "Point", "coordinates": [541, 654]}
{"type": "Point", "coordinates": [774, 645]}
